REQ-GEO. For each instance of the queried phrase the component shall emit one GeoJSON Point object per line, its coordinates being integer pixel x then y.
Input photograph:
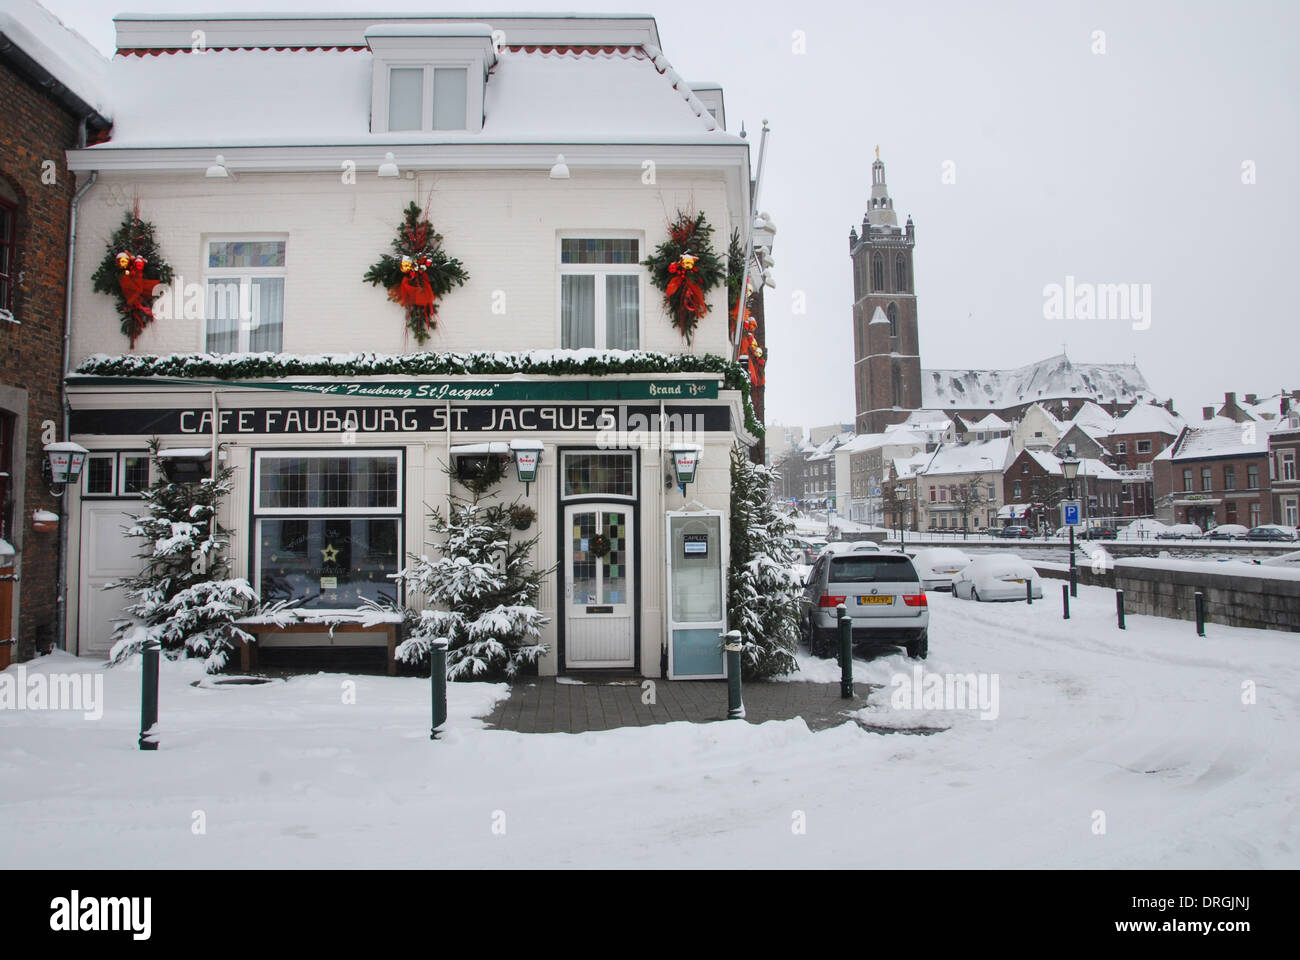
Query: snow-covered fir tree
{"type": "Point", "coordinates": [183, 597]}
{"type": "Point", "coordinates": [480, 594]}
{"type": "Point", "coordinates": [762, 586]}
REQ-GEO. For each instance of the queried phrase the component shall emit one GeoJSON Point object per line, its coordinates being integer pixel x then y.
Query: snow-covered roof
{"type": "Point", "coordinates": [970, 457]}
{"type": "Point", "coordinates": [878, 317]}
{"type": "Point", "coordinates": [990, 421]}
{"type": "Point", "coordinates": [1148, 418]}
{"type": "Point", "coordinates": [1093, 418]}
{"type": "Point", "coordinates": [62, 52]}
{"type": "Point", "coordinates": [1088, 467]}
{"type": "Point", "coordinates": [872, 441]}
{"type": "Point", "coordinates": [828, 446]}
{"type": "Point", "coordinates": [308, 97]}
{"type": "Point", "coordinates": [1051, 379]}
{"type": "Point", "coordinates": [1231, 439]}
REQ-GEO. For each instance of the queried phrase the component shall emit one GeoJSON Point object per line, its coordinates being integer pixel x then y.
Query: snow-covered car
{"type": "Point", "coordinates": [1181, 531]}
{"type": "Point", "coordinates": [882, 594]}
{"type": "Point", "coordinates": [1272, 531]}
{"type": "Point", "coordinates": [851, 546]}
{"type": "Point", "coordinates": [1015, 531]}
{"type": "Point", "coordinates": [1144, 529]}
{"type": "Point", "coordinates": [1228, 531]}
{"type": "Point", "coordinates": [938, 565]}
{"type": "Point", "coordinates": [811, 547]}
{"type": "Point", "coordinates": [997, 578]}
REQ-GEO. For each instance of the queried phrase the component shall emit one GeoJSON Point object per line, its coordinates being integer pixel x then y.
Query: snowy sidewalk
{"type": "Point", "coordinates": [566, 705]}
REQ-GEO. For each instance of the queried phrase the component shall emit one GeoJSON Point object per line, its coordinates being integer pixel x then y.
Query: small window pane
{"type": "Point", "coordinates": [622, 312]}
{"type": "Point", "coordinates": [99, 474]}
{"type": "Point", "coordinates": [599, 474]}
{"type": "Point", "coordinates": [577, 311]}
{"type": "Point", "coordinates": [245, 253]}
{"type": "Point", "coordinates": [135, 473]}
{"type": "Point", "coordinates": [267, 301]}
{"type": "Point", "coordinates": [405, 98]}
{"type": "Point", "coordinates": [449, 98]}
{"type": "Point", "coordinates": [599, 250]}
{"type": "Point", "coordinates": [223, 316]}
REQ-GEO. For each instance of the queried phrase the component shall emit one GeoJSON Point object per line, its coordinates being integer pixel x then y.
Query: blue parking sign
{"type": "Point", "coordinates": [1071, 514]}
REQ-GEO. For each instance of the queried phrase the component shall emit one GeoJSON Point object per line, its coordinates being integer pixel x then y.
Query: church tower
{"type": "Point", "coordinates": [886, 346]}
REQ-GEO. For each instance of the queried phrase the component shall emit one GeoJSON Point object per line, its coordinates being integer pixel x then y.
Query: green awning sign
{"type": "Point", "coordinates": [459, 391]}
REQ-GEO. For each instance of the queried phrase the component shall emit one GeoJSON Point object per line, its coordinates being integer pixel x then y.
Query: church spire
{"type": "Point", "coordinates": [881, 210]}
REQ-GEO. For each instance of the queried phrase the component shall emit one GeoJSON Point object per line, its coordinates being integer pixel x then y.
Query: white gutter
{"type": "Point", "coordinates": [61, 577]}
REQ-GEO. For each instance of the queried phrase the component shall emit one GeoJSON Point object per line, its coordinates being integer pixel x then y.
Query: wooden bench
{"type": "Point", "coordinates": [248, 651]}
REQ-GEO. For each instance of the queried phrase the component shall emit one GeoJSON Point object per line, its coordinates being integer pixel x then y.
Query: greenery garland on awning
{"type": "Point", "coordinates": [247, 366]}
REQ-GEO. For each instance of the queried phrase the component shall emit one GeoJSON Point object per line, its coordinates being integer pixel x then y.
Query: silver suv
{"type": "Point", "coordinates": [882, 594]}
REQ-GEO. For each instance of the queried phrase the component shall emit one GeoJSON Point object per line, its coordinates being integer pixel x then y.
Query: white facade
{"type": "Point", "coordinates": [310, 184]}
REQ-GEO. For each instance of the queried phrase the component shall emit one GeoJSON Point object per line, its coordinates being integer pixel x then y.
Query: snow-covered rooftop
{"type": "Point", "coordinates": [1055, 378]}
{"type": "Point", "coordinates": [1088, 467]}
{"type": "Point", "coordinates": [1231, 439]}
{"type": "Point", "coordinates": [991, 455]}
{"type": "Point", "coordinates": [1148, 418]}
{"type": "Point", "coordinates": [304, 97]}
{"type": "Point", "coordinates": [64, 53]}
{"type": "Point", "coordinates": [989, 421]}
{"type": "Point", "coordinates": [872, 441]}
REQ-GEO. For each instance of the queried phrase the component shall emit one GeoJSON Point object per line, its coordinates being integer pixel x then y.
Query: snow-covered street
{"type": "Point", "coordinates": [1143, 734]}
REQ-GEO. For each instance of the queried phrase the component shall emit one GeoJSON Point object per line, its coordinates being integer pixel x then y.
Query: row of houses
{"type": "Point", "coordinates": [273, 162]}
{"type": "Point", "coordinates": [938, 470]}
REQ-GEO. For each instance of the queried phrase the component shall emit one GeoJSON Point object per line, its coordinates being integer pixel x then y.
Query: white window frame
{"type": "Point", "coordinates": [242, 274]}
{"type": "Point", "coordinates": [1288, 465]}
{"type": "Point", "coordinates": [600, 270]}
{"type": "Point", "coordinates": [613, 497]}
{"type": "Point", "coordinates": [118, 483]}
{"type": "Point", "coordinates": [1144, 446]}
{"type": "Point", "coordinates": [260, 511]}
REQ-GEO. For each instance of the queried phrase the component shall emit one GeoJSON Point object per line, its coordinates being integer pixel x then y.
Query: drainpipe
{"type": "Point", "coordinates": [213, 469]}
{"type": "Point", "coordinates": [667, 545]}
{"type": "Point", "coordinates": [61, 577]}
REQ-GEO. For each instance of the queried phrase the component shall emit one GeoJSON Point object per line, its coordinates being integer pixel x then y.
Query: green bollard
{"type": "Point", "coordinates": [733, 647]}
{"type": "Point", "coordinates": [1029, 592]}
{"type": "Point", "coordinates": [1119, 608]}
{"type": "Point", "coordinates": [149, 695]}
{"type": "Point", "coordinates": [846, 652]}
{"type": "Point", "coordinates": [1065, 601]}
{"type": "Point", "coordinates": [1200, 614]}
{"type": "Point", "coordinates": [438, 685]}
{"type": "Point", "coordinates": [1074, 582]}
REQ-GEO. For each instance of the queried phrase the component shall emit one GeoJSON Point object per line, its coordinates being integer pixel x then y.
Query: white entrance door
{"type": "Point", "coordinates": [600, 586]}
{"type": "Point", "coordinates": [107, 553]}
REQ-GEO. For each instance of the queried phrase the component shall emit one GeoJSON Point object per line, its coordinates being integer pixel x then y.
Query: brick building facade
{"type": "Point", "coordinates": [1213, 475]}
{"type": "Point", "coordinates": [42, 118]}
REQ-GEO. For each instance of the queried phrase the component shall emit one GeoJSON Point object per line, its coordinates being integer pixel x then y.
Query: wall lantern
{"type": "Point", "coordinates": [528, 456]}
{"type": "Point", "coordinates": [63, 463]}
{"type": "Point", "coordinates": [686, 459]}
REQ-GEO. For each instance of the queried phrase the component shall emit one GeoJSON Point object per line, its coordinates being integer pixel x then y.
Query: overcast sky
{"type": "Point", "coordinates": [1117, 167]}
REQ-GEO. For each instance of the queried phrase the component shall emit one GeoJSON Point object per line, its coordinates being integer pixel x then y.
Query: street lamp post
{"type": "Point", "coordinates": [1070, 469]}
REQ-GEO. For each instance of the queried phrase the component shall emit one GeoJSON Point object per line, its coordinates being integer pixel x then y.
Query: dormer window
{"type": "Point", "coordinates": [427, 98]}
{"type": "Point", "coordinates": [429, 77]}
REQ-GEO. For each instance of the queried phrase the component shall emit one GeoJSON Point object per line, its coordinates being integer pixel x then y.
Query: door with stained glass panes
{"type": "Point", "coordinates": [599, 586]}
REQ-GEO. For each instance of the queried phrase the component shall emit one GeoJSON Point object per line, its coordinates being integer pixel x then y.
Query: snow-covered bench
{"type": "Point", "coordinates": [372, 627]}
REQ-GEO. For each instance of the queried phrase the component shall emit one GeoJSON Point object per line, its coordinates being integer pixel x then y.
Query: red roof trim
{"type": "Point", "coordinates": [571, 48]}
{"type": "Point", "coordinates": [156, 51]}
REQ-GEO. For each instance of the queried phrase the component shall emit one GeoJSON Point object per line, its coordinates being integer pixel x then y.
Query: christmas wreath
{"type": "Point", "coordinates": [419, 273]}
{"type": "Point", "coordinates": [132, 267]}
{"type": "Point", "coordinates": [685, 268]}
{"type": "Point", "coordinates": [599, 545]}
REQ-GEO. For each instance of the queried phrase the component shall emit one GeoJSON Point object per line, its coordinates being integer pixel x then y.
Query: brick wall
{"type": "Point", "coordinates": [34, 128]}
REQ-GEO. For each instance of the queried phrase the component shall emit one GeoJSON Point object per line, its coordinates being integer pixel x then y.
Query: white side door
{"type": "Point", "coordinates": [600, 586]}
{"type": "Point", "coordinates": [107, 553]}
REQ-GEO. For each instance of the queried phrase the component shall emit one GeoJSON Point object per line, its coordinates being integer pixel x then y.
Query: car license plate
{"type": "Point", "coordinates": [863, 601]}
{"type": "Point", "coordinates": [956, 570]}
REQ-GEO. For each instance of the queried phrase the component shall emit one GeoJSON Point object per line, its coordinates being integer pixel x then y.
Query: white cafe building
{"type": "Point", "coordinates": [275, 157]}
